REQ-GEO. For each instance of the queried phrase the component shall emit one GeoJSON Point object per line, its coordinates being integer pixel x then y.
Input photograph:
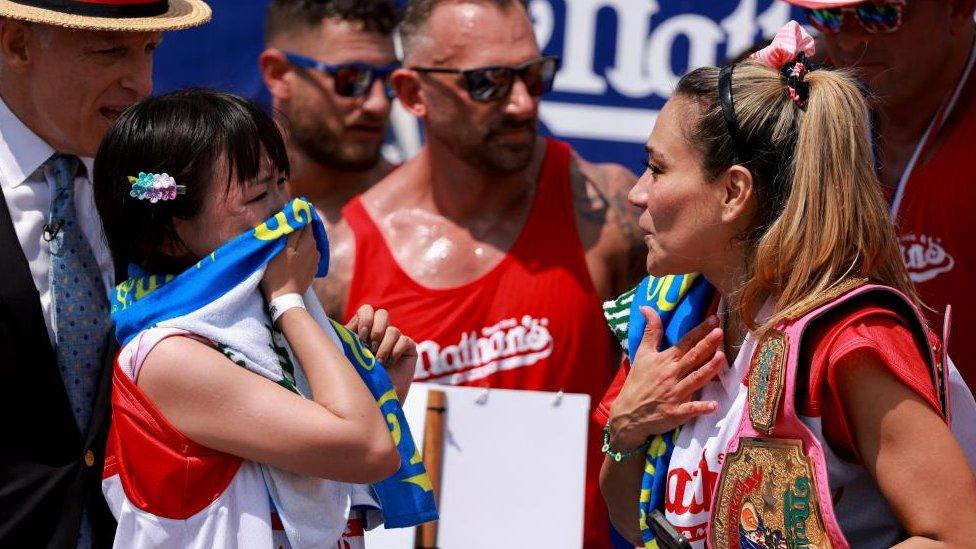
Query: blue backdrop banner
{"type": "Point", "coordinates": [620, 59]}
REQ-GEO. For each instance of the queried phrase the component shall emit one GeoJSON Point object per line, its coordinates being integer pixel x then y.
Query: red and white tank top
{"type": "Point", "coordinates": [533, 322]}
{"type": "Point", "coordinates": [167, 491]}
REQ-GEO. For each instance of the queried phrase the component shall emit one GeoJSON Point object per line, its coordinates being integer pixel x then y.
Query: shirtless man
{"type": "Point", "coordinates": [327, 66]}
{"type": "Point", "coordinates": [493, 247]}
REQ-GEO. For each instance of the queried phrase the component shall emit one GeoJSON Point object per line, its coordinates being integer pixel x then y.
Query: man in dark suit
{"type": "Point", "coordinates": [67, 70]}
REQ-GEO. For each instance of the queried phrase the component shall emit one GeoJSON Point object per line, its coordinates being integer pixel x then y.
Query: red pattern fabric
{"type": "Point", "coordinates": [162, 471]}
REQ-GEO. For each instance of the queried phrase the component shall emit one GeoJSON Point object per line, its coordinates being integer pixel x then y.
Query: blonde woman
{"type": "Point", "coordinates": [815, 403]}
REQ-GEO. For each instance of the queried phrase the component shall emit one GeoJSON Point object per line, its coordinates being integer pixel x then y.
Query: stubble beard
{"type": "Point", "coordinates": [487, 154]}
{"type": "Point", "coordinates": [323, 147]}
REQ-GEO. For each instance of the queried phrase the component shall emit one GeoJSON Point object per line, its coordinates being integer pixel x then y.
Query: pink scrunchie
{"type": "Point", "coordinates": [789, 41]}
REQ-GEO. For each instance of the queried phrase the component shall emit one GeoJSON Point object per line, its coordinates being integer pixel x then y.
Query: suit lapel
{"type": "Point", "coordinates": [20, 300]}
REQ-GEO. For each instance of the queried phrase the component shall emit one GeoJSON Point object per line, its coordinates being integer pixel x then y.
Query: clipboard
{"type": "Point", "coordinates": [514, 467]}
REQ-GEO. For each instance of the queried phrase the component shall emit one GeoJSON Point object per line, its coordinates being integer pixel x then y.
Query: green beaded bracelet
{"type": "Point", "coordinates": [617, 455]}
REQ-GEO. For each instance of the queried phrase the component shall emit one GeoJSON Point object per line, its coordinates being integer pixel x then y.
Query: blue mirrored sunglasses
{"type": "Point", "coordinates": [349, 79]}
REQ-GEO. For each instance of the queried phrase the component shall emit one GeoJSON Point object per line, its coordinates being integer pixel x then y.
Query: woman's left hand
{"type": "Point", "coordinates": [397, 352]}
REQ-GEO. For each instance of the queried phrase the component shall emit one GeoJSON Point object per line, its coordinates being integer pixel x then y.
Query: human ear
{"type": "Point", "coordinates": [406, 83]}
{"type": "Point", "coordinates": [13, 43]}
{"type": "Point", "coordinates": [274, 66]}
{"type": "Point", "coordinates": [736, 193]}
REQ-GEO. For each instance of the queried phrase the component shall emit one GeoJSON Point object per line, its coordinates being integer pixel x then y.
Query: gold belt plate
{"type": "Point", "coordinates": [766, 377]}
{"type": "Point", "coordinates": [767, 498]}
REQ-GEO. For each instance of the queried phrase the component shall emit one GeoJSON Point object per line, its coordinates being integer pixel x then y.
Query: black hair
{"type": "Point", "coordinates": [183, 134]}
{"type": "Point", "coordinates": [287, 16]}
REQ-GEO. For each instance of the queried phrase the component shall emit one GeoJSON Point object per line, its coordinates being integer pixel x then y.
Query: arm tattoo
{"type": "Point", "coordinates": [590, 204]}
{"type": "Point", "coordinates": [626, 215]}
{"type": "Point", "coordinates": [602, 201]}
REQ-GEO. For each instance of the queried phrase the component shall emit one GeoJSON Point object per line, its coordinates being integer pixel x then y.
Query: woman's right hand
{"type": "Point", "coordinates": [292, 270]}
{"type": "Point", "coordinates": [656, 397]}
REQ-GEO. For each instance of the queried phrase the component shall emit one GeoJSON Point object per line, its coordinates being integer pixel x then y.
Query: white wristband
{"type": "Point", "coordinates": [282, 303]}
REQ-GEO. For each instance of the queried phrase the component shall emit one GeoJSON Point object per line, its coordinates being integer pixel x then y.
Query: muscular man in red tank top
{"type": "Point", "coordinates": [492, 248]}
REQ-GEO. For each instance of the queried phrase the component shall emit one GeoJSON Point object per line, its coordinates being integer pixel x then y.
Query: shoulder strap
{"type": "Point", "coordinates": [900, 304]}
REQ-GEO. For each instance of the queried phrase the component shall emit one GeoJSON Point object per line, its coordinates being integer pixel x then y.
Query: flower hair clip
{"type": "Point", "coordinates": [155, 187]}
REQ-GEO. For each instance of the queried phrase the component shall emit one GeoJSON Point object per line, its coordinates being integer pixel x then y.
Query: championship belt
{"type": "Point", "coordinates": [766, 496]}
{"type": "Point", "coordinates": [772, 490]}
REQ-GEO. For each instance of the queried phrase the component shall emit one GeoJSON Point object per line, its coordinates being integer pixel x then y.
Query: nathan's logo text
{"type": "Point", "coordinates": [640, 41]}
{"type": "Point", "coordinates": [509, 344]}
{"type": "Point", "coordinates": [690, 493]}
{"type": "Point", "coordinates": [924, 257]}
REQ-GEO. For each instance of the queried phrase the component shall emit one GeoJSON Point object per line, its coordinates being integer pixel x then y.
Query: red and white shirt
{"type": "Point", "coordinates": [167, 491]}
{"type": "Point", "coordinates": [936, 230]}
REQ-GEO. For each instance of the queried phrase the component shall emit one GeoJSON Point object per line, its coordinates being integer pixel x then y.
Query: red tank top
{"type": "Point", "coordinates": [532, 322]}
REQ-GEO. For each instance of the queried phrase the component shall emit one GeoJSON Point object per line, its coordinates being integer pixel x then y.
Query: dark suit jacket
{"type": "Point", "coordinates": [47, 470]}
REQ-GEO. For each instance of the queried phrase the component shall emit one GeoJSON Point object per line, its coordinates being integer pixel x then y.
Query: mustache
{"type": "Point", "coordinates": [508, 125]}
{"type": "Point", "coordinates": [368, 120]}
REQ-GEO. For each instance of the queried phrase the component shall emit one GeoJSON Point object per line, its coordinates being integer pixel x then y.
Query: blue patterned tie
{"type": "Point", "coordinates": [78, 296]}
{"type": "Point", "coordinates": [80, 304]}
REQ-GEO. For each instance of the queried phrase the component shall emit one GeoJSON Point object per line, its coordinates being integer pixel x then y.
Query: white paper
{"type": "Point", "coordinates": [513, 469]}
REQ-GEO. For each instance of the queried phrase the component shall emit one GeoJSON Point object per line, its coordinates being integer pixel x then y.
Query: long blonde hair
{"type": "Point", "coordinates": [821, 216]}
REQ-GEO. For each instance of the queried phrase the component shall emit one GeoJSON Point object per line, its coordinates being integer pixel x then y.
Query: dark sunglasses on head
{"type": "Point", "coordinates": [875, 17]}
{"type": "Point", "coordinates": [349, 79]}
{"type": "Point", "coordinates": [495, 82]}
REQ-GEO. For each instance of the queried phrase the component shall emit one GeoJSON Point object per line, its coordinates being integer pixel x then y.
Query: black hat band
{"type": "Point", "coordinates": [93, 8]}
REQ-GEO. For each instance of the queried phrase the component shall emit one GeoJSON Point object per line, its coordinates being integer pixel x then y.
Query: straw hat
{"type": "Point", "coordinates": [817, 4]}
{"type": "Point", "coordinates": [110, 15]}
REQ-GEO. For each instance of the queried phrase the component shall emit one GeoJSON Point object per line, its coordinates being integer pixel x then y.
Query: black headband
{"type": "Point", "coordinates": [94, 8]}
{"type": "Point", "coordinates": [739, 150]}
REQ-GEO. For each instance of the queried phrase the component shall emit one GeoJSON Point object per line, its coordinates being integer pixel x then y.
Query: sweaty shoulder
{"type": "Point", "coordinates": [333, 288]}
{"type": "Point", "coordinates": [607, 224]}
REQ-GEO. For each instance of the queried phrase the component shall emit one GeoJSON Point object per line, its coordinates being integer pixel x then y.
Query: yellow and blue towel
{"type": "Point", "coordinates": [219, 299]}
{"type": "Point", "coordinates": [682, 302]}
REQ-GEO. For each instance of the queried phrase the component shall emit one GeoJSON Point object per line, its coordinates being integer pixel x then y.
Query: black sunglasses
{"type": "Point", "coordinates": [349, 79]}
{"type": "Point", "coordinates": [495, 82]}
